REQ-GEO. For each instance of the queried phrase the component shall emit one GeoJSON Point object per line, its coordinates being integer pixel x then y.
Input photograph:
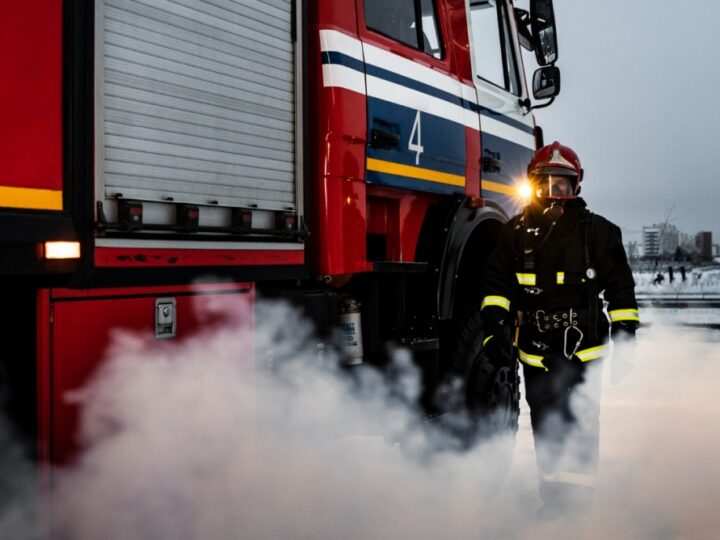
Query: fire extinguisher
{"type": "Point", "coordinates": [351, 328]}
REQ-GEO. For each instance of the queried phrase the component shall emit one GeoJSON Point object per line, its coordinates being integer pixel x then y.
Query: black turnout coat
{"type": "Point", "coordinates": [546, 277]}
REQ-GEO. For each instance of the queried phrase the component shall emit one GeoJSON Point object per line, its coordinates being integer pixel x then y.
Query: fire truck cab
{"type": "Point", "coordinates": [355, 157]}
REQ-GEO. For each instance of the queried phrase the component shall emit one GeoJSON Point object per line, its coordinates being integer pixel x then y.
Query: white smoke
{"type": "Point", "coordinates": [198, 439]}
{"type": "Point", "coordinates": [191, 441]}
{"type": "Point", "coordinates": [19, 511]}
{"type": "Point", "coordinates": [659, 472]}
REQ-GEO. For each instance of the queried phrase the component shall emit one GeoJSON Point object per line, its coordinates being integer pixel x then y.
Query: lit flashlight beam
{"type": "Point", "coordinates": [524, 191]}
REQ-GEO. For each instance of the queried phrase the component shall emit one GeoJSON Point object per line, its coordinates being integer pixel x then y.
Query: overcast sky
{"type": "Point", "coordinates": [639, 103]}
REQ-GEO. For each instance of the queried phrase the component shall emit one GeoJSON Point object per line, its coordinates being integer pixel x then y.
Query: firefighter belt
{"type": "Point", "coordinates": [547, 321]}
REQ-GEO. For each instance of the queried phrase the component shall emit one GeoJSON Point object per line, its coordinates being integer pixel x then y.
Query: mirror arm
{"type": "Point", "coordinates": [542, 105]}
{"type": "Point", "coordinates": [528, 106]}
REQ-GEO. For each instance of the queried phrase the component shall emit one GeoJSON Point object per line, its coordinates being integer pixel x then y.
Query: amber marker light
{"type": "Point", "coordinates": [61, 250]}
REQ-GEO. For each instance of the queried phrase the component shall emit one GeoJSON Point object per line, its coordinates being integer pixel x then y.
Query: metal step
{"type": "Point", "coordinates": [400, 267]}
{"type": "Point", "coordinates": [420, 344]}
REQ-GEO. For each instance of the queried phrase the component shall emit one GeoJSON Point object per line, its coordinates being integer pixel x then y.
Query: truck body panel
{"type": "Point", "coordinates": [507, 128]}
{"type": "Point", "coordinates": [331, 153]}
{"type": "Point", "coordinates": [31, 146]}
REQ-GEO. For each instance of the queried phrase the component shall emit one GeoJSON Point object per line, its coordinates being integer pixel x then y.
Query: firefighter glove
{"type": "Point", "coordinates": [624, 331]}
{"type": "Point", "coordinates": [623, 360]}
{"type": "Point", "coordinates": [497, 329]}
{"type": "Point", "coordinates": [495, 320]}
{"type": "Point", "coordinates": [499, 349]}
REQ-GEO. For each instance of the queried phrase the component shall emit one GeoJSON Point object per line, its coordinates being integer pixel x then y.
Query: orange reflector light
{"type": "Point", "coordinates": [61, 250]}
{"type": "Point", "coordinates": [476, 202]}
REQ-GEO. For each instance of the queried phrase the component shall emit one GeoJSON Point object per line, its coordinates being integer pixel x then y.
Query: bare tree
{"type": "Point", "coordinates": [663, 228]}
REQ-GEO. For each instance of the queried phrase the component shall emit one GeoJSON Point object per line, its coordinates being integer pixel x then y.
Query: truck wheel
{"type": "Point", "coordinates": [490, 394]}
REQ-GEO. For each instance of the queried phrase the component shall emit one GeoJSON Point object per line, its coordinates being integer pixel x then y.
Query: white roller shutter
{"type": "Point", "coordinates": [195, 102]}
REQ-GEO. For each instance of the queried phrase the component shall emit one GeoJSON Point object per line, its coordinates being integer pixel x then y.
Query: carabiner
{"type": "Point", "coordinates": [577, 343]}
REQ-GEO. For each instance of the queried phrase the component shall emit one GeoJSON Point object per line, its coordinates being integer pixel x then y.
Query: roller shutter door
{"type": "Point", "coordinates": [195, 102]}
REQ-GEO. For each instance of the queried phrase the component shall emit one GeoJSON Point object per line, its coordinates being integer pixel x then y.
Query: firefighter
{"type": "Point", "coordinates": [542, 306]}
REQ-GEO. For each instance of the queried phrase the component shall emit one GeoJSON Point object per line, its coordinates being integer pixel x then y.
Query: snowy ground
{"type": "Point", "coordinates": [702, 287]}
{"type": "Point", "coordinates": [699, 281]}
{"type": "Point", "coordinates": [694, 316]}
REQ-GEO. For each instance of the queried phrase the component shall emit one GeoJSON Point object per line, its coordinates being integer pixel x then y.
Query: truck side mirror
{"type": "Point", "coordinates": [542, 22]}
{"type": "Point", "coordinates": [546, 82]}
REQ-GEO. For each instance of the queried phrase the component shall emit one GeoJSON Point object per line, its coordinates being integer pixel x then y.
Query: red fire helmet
{"type": "Point", "coordinates": [555, 160]}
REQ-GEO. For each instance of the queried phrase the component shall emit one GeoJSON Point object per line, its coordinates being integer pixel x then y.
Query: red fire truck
{"type": "Point", "coordinates": [355, 157]}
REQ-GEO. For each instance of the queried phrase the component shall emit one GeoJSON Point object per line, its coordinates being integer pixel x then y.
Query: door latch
{"type": "Point", "coordinates": [386, 140]}
{"type": "Point", "coordinates": [492, 162]}
{"type": "Point", "coordinates": [165, 318]}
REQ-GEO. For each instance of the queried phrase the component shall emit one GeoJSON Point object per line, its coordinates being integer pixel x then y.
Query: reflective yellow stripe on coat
{"type": "Point", "coordinates": [499, 301]}
{"type": "Point", "coordinates": [572, 478]}
{"type": "Point", "coordinates": [534, 360]}
{"type": "Point", "coordinates": [624, 315]}
{"type": "Point", "coordinates": [592, 353]}
{"type": "Point", "coordinates": [527, 279]}
{"type": "Point", "coordinates": [585, 355]}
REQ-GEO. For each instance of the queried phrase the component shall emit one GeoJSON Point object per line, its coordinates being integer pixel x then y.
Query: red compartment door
{"type": "Point", "coordinates": [76, 328]}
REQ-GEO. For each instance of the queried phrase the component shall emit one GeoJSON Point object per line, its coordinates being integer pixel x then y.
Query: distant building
{"type": "Point", "coordinates": [651, 241]}
{"type": "Point", "coordinates": [703, 245]}
{"type": "Point", "coordinates": [665, 241]}
{"type": "Point", "coordinates": [661, 240]}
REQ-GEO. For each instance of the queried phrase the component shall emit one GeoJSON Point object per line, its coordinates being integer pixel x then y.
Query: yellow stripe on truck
{"type": "Point", "coordinates": [31, 198]}
{"type": "Point", "coordinates": [410, 171]}
{"type": "Point", "coordinates": [498, 187]}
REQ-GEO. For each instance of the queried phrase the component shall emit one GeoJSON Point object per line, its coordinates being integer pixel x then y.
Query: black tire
{"type": "Point", "coordinates": [489, 395]}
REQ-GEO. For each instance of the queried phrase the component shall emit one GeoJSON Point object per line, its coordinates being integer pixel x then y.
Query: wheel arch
{"type": "Point", "coordinates": [456, 240]}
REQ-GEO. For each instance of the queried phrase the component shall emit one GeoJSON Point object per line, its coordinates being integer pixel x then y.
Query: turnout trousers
{"type": "Point", "coordinates": [565, 417]}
